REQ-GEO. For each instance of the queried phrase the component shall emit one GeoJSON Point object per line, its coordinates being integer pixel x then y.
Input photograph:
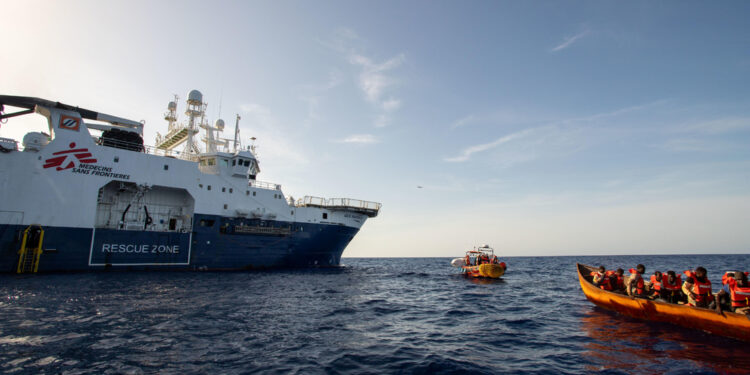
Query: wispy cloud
{"type": "Point", "coordinates": [559, 137]}
{"type": "Point", "coordinates": [568, 41]}
{"type": "Point", "coordinates": [720, 126]}
{"type": "Point", "coordinates": [360, 138]}
{"type": "Point", "coordinates": [314, 94]}
{"type": "Point", "coordinates": [272, 137]}
{"type": "Point", "coordinates": [382, 121]}
{"type": "Point", "coordinates": [391, 105]}
{"type": "Point", "coordinates": [463, 121]}
{"type": "Point", "coordinates": [376, 80]}
{"type": "Point", "coordinates": [467, 152]}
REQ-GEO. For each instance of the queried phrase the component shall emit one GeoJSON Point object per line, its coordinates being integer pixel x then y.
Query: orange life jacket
{"type": "Point", "coordinates": [702, 290]}
{"type": "Point", "coordinates": [467, 260]}
{"type": "Point", "coordinates": [604, 280]}
{"type": "Point", "coordinates": [726, 278]}
{"type": "Point", "coordinates": [740, 295]}
{"type": "Point", "coordinates": [673, 287]}
{"type": "Point", "coordinates": [494, 259]}
{"type": "Point", "coordinates": [620, 282]}
{"type": "Point", "coordinates": [639, 285]}
{"type": "Point", "coordinates": [656, 284]}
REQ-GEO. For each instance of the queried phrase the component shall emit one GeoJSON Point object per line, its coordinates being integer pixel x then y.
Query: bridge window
{"type": "Point", "coordinates": [224, 162]}
{"type": "Point", "coordinates": [234, 162]}
{"type": "Point", "coordinates": [211, 161]}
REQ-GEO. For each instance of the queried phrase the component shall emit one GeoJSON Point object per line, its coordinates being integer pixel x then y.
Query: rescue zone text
{"type": "Point", "coordinates": [143, 249]}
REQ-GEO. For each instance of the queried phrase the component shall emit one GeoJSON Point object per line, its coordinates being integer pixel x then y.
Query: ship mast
{"type": "Point", "coordinates": [236, 132]}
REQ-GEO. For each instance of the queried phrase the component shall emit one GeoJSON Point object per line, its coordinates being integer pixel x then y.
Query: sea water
{"type": "Point", "coordinates": [415, 316]}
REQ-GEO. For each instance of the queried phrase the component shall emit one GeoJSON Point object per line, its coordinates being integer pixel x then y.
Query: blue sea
{"type": "Point", "coordinates": [369, 316]}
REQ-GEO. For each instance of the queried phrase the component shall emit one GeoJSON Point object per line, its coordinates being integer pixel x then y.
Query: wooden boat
{"type": "Point", "coordinates": [492, 268]}
{"type": "Point", "coordinates": [725, 324]}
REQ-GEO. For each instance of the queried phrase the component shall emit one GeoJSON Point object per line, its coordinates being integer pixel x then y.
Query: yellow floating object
{"type": "Point", "coordinates": [491, 270]}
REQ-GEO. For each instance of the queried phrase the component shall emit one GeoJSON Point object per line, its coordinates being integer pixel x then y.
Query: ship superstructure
{"type": "Point", "coordinates": [90, 196]}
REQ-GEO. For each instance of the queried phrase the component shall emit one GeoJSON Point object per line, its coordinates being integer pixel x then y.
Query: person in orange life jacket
{"type": "Point", "coordinates": [738, 290]}
{"type": "Point", "coordinates": [485, 259]}
{"type": "Point", "coordinates": [494, 260]}
{"type": "Point", "coordinates": [602, 279]}
{"type": "Point", "coordinates": [617, 280]}
{"type": "Point", "coordinates": [724, 299]}
{"type": "Point", "coordinates": [671, 286]}
{"type": "Point", "coordinates": [654, 285]}
{"type": "Point", "coordinates": [697, 288]}
{"type": "Point", "coordinates": [635, 285]}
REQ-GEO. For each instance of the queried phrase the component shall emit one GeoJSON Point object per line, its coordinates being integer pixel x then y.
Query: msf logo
{"type": "Point", "coordinates": [67, 159]}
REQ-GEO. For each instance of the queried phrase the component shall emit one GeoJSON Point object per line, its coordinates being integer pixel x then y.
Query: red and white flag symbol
{"type": "Point", "coordinates": [67, 159]}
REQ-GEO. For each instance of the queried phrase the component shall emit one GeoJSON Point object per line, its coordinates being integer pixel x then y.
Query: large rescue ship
{"type": "Point", "coordinates": [91, 196]}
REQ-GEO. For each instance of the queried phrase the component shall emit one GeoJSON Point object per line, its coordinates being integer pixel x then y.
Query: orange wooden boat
{"type": "Point", "coordinates": [725, 324]}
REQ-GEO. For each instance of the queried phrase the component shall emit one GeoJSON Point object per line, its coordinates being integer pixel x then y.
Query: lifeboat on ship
{"type": "Point", "coordinates": [724, 324]}
{"type": "Point", "coordinates": [480, 262]}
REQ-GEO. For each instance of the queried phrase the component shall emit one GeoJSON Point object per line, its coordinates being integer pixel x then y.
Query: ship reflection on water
{"type": "Point", "coordinates": [622, 343]}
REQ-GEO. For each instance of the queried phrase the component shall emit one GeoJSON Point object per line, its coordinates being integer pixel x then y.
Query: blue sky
{"type": "Point", "coordinates": [541, 128]}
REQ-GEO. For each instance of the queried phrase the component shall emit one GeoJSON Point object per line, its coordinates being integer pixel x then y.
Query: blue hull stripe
{"type": "Point", "coordinates": [215, 245]}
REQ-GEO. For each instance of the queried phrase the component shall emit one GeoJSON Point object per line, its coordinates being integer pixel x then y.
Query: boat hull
{"type": "Point", "coordinates": [67, 249]}
{"type": "Point", "coordinates": [725, 324]}
{"type": "Point", "coordinates": [490, 271]}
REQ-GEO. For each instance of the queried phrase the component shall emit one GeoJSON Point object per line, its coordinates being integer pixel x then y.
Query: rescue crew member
{"type": "Point", "coordinates": [602, 279]}
{"type": "Point", "coordinates": [467, 260]}
{"type": "Point", "coordinates": [738, 290]}
{"type": "Point", "coordinates": [635, 285]}
{"type": "Point", "coordinates": [697, 288]}
{"type": "Point", "coordinates": [494, 260]}
{"type": "Point", "coordinates": [655, 285]}
{"type": "Point", "coordinates": [671, 286]}
{"type": "Point", "coordinates": [483, 259]}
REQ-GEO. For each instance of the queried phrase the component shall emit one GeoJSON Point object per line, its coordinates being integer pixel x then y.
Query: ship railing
{"type": "Point", "coordinates": [264, 185]}
{"type": "Point", "coordinates": [366, 207]}
{"type": "Point", "coordinates": [8, 144]}
{"type": "Point", "coordinates": [152, 150]}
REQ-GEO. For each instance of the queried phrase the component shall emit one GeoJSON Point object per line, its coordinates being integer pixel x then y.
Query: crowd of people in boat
{"type": "Point", "coordinates": [695, 290]}
{"type": "Point", "coordinates": [481, 259]}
